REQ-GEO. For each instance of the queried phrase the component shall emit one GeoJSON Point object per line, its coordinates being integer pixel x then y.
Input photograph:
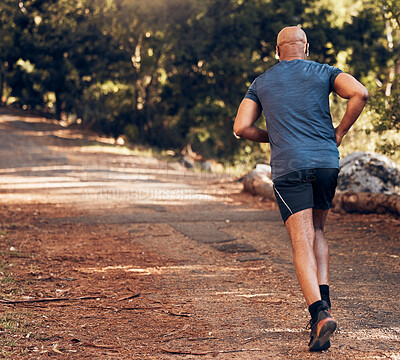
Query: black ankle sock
{"type": "Point", "coordinates": [324, 290]}
{"type": "Point", "coordinates": [316, 307]}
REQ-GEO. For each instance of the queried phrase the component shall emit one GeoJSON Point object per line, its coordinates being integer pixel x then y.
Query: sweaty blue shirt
{"type": "Point", "coordinates": [294, 96]}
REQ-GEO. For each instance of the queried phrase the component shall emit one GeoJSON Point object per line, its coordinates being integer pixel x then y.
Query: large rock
{"type": "Point", "coordinates": [258, 182]}
{"type": "Point", "coordinates": [368, 182]}
{"type": "Point", "coordinates": [369, 172]}
{"type": "Point", "coordinates": [366, 203]}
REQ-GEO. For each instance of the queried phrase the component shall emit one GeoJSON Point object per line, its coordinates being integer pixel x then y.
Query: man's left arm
{"type": "Point", "coordinates": [347, 87]}
{"type": "Point", "coordinates": [248, 113]}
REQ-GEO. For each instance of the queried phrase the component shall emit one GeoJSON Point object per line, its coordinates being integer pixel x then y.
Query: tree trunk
{"type": "Point", "coordinates": [147, 114]}
{"type": "Point", "coordinates": [1, 86]}
{"type": "Point", "coordinates": [58, 106]}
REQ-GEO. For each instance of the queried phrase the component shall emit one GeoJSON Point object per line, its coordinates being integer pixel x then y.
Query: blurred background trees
{"type": "Point", "coordinates": [168, 73]}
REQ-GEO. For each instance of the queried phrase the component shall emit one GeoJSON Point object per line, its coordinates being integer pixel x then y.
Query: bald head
{"type": "Point", "coordinates": [291, 43]}
{"type": "Point", "coordinates": [291, 35]}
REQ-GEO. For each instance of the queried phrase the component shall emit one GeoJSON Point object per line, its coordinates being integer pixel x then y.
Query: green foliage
{"type": "Point", "coordinates": [374, 40]}
{"type": "Point", "coordinates": [387, 107]}
{"type": "Point", "coordinates": [384, 111]}
{"type": "Point", "coordinates": [172, 72]}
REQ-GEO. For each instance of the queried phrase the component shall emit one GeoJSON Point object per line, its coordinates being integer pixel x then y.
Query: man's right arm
{"type": "Point", "coordinates": [347, 87]}
{"type": "Point", "coordinates": [248, 113]}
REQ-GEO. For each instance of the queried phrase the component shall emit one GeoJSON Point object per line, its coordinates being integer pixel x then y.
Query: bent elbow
{"type": "Point", "coordinates": [363, 94]}
{"type": "Point", "coordinates": [238, 131]}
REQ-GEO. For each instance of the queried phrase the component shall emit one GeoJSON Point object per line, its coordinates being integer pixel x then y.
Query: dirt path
{"type": "Point", "coordinates": [169, 260]}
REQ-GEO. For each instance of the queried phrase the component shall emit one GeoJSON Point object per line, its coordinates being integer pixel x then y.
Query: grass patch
{"type": "Point", "coordinates": [11, 354]}
{"type": "Point", "coordinates": [5, 278]}
{"type": "Point", "coordinates": [8, 279]}
{"type": "Point", "coordinates": [11, 226]}
{"type": "Point", "coordinates": [12, 324]}
{"type": "Point", "coordinates": [8, 284]}
{"type": "Point", "coordinates": [3, 267]}
{"type": "Point", "coordinates": [14, 254]}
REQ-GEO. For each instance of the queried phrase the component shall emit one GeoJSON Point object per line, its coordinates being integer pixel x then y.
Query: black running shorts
{"type": "Point", "coordinates": [305, 189]}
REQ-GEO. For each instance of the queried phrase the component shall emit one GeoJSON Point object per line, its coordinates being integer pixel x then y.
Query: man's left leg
{"type": "Point", "coordinates": [324, 186]}
{"type": "Point", "coordinates": [321, 252]}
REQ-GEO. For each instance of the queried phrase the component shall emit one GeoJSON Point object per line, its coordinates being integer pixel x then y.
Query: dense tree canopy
{"type": "Point", "coordinates": [172, 72]}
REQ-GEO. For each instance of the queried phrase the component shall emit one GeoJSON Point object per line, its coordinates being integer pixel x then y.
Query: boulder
{"type": "Point", "coordinates": [258, 182]}
{"type": "Point", "coordinates": [367, 182]}
{"type": "Point", "coordinates": [368, 172]}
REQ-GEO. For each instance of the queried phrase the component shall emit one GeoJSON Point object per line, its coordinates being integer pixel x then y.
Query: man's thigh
{"type": "Point", "coordinates": [324, 187]}
{"type": "Point", "coordinates": [294, 192]}
{"type": "Point", "coordinates": [304, 189]}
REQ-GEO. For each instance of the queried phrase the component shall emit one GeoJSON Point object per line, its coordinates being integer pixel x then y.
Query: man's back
{"type": "Point", "coordinates": [294, 96]}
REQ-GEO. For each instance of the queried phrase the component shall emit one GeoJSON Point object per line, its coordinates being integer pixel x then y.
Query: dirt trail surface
{"type": "Point", "coordinates": [146, 258]}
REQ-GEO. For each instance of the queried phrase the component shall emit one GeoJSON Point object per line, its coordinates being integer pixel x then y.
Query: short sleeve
{"type": "Point", "coordinates": [252, 93]}
{"type": "Point", "coordinates": [334, 71]}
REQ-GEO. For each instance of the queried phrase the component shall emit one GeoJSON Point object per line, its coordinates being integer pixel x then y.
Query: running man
{"type": "Point", "coordinates": [294, 96]}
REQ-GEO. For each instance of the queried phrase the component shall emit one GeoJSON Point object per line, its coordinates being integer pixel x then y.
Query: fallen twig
{"type": "Point", "coordinates": [177, 314]}
{"type": "Point", "coordinates": [172, 339]}
{"type": "Point", "coordinates": [99, 346]}
{"type": "Point", "coordinates": [5, 301]}
{"type": "Point", "coordinates": [250, 339]}
{"type": "Point", "coordinates": [102, 307]}
{"type": "Point", "coordinates": [77, 341]}
{"type": "Point", "coordinates": [142, 308]}
{"type": "Point", "coordinates": [56, 350]}
{"type": "Point", "coordinates": [202, 338]}
{"type": "Point", "coordinates": [183, 352]}
{"type": "Point", "coordinates": [129, 297]}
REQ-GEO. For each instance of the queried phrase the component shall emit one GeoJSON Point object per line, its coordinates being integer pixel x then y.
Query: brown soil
{"type": "Point", "coordinates": [150, 258]}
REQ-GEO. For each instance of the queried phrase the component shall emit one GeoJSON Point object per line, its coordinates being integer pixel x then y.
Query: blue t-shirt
{"type": "Point", "coordinates": [294, 96]}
